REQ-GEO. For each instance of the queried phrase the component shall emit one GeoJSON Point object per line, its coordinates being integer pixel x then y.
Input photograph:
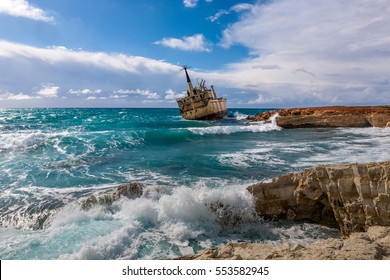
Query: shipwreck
{"type": "Point", "coordinates": [201, 103]}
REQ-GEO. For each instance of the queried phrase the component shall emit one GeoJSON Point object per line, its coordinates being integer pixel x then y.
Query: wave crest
{"type": "Point", "coordinates": [230, 129]}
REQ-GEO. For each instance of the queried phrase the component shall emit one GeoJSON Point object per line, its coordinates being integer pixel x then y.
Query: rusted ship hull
{"type": "Point", "coordinates": [201, 103]}
{"type": "Point", "coordinates": [215, 110]}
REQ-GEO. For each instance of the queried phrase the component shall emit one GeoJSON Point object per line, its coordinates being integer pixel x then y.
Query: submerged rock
{"type": "Point", "coordinates": [330, 116]}
{"type": "Point", "coordinates": [352, 197]}
{"type": "Point", "coordinates": [129, 190]}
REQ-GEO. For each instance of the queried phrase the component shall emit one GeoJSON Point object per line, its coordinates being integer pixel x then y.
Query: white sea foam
{"type": "Point", "coordinates": [156, 225]}
{"type": "Point", "coordinates": [359, 145]}
{"type": "Point", "coordinates": [239, 116]}
{"type": "Point", "coordinates": [250, 157]}
{"type": "Point", "coordinates": [160, 223]}
{"type": "Point", "coordinates": [229, 129]}
{"type": "Point", "coordinates": [21, 140]}
{"type": "Point", "coordinates": [25, 139]}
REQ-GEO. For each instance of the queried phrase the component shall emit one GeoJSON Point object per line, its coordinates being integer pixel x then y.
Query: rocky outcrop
{"type": "Point", "coordinates": [129, 190]}
{"type": "Point", "coordinates": [371, 245]}
{"type": "Point", "coordinates": [352, 197]}
{"type": "Point", "coordinates": [331, 116]}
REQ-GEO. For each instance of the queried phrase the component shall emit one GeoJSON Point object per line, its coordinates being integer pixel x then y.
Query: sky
{"type": "Point", "coordinates": [256, 53]}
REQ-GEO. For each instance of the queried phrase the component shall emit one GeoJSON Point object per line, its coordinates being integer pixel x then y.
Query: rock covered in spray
{"type": "Point", "coordinates": [129, 190]}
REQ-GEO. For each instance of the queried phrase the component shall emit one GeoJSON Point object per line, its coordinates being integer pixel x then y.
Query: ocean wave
{"type": "Point", "coordinates": [239, 116]}
{"type": "Point", "coordinates": [250, 157]}
{"type": "Point", "coordinates": [21, 140]}
{"type": "Point", "coordinates": [163, 222]}
{"type": "Point", "coordinates": [238, 128]}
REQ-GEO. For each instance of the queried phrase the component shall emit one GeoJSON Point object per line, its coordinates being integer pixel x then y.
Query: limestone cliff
{"type": "Point", "coordinates": [331, 116]}
{"type": "Point", "coordinates": [352, 197]}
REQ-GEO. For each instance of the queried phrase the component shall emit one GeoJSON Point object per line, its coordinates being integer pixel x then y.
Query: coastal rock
{"type": "Point", "coordinates": [371, 245]}
{"type": "Point", "coordinates": [331, 116]}
{"type": "Point", "coordinates": [129, 190]}
{"type": "Point", "coordinates": [352, 197]}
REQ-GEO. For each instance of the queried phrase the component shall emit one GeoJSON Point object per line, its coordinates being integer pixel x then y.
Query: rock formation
{"type": "Point", "coordinates": [331, 116]}
{"type": "Point", "coordinates": [350, 196]}
{"type": "Point", "coordinates": [129, 190]}
{"type": "Point", "coordinates": [371, 245]}
{"type": "Point", "coordinates": [353, 197]}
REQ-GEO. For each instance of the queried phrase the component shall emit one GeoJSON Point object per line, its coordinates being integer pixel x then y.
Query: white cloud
{"type": "Point", "coordinates": [68, 69]}
{"type": "Point", "coordinates": [96, 98]}
{"type": "Point", "coordinates": [84, 91]}
{"type": "Point", "coordinates": [147, 93]}
{"type": "Point", "coordinates": [16, 96]}
{"type": "Point", "coordinates": [320, 51]}
{"type": "Point", "coordinates": [116, 62]}
{"type": "Point", "coordinates": [48, 91]}
{"type": "Point", "coordinates": [190, 3]}
{"type": "Point", "coordinates": [22, 8]}
{"type": "Point", "coordinates": [172, 95]}
{"type": "Point", "coordinates": [236, 8]}
{"type": "Point", "coordinates": [196, 42]}
{"type": "Point", "coordinates": [262, 100]}
{"type": "Point", "coordinates": [193, 3]}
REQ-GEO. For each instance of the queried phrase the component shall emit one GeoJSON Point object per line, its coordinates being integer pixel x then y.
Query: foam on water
{"type": "Point", "coordinates": [229, 129]}
{"type": "Point", "coordinates": [195, 173]}
{"type": "Point", "coordinates": [351, 145]}
{"type": "Point", "coordinates": [159, 224]}
{"type": "Point", "coordinates": [240, 116]}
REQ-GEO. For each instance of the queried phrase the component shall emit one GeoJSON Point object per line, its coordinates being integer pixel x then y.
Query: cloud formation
{"type": "Point", "coordinates": [57, 76]}
{"type": "Point", "coordinates": [171, 95]}
{"type": "Point", "coordinates": [320, 51]}
{"type": "Point", "coordinates": [58, 54]}
{"type": "Point", "coordinates": [84, 91]}
{"type": "Point", "coordinates": [22, 8]}
{"type": "Point", "coordinates": [195, 43]}
{"type": "Point", "coordinates": [236, 8]}
{"type": "Point", "coordinates": [16, 96]}
{"type": "Point", "coordinates": [147, 93]}
{"type": "Point", "coordinates": [301, 53]}
{"type": "Point", "coordinates": [193, 3]}
{"type": "Point", "coordinates": [48, 91]}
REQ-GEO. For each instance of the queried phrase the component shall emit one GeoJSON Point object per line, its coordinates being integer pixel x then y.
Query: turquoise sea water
{"type": "Point", "coordinates": [52, 159]}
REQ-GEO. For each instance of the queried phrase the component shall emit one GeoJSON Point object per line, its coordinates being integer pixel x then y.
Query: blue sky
{"type": "Point", "coordinates": [125, 53]}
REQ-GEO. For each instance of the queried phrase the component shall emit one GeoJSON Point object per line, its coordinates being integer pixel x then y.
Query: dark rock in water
{"type": "Point", "coordinates": [226, 214]}
{"type": "Point", "coordinates": [129, 190]}
{"type": "Point", "coordinates": [102, 199]}
{"type": "Point", "coordinates": [40, 221]}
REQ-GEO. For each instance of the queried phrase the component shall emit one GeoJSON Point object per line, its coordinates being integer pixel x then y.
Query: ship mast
{"type": "Point", "coordinates": [190, 86]}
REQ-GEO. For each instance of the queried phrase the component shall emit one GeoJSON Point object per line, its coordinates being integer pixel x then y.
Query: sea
{"type": "Point", "coordinates": [195, 175]}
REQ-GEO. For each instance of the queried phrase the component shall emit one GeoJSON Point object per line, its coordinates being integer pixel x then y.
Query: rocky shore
{"type": "Point", "coordinates": [371, 245]}
{"type": "Point", "coordinates": [353, 197]}
{"type": "Point", "coordinates": [330, 116]}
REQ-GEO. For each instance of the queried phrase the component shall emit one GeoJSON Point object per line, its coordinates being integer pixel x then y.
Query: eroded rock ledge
{"type": "Point", "coordinates": [352, 197]}
{"type": "Point", "coordinates": [371, 245]}
{"type": "Point", "coordinates": [330, 116]}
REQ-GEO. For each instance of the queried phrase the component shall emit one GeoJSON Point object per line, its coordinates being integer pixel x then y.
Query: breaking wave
{"type": "Point", "coordinates": [163, 222]}
{"type": "Point", "coordinates": [229, 129]}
